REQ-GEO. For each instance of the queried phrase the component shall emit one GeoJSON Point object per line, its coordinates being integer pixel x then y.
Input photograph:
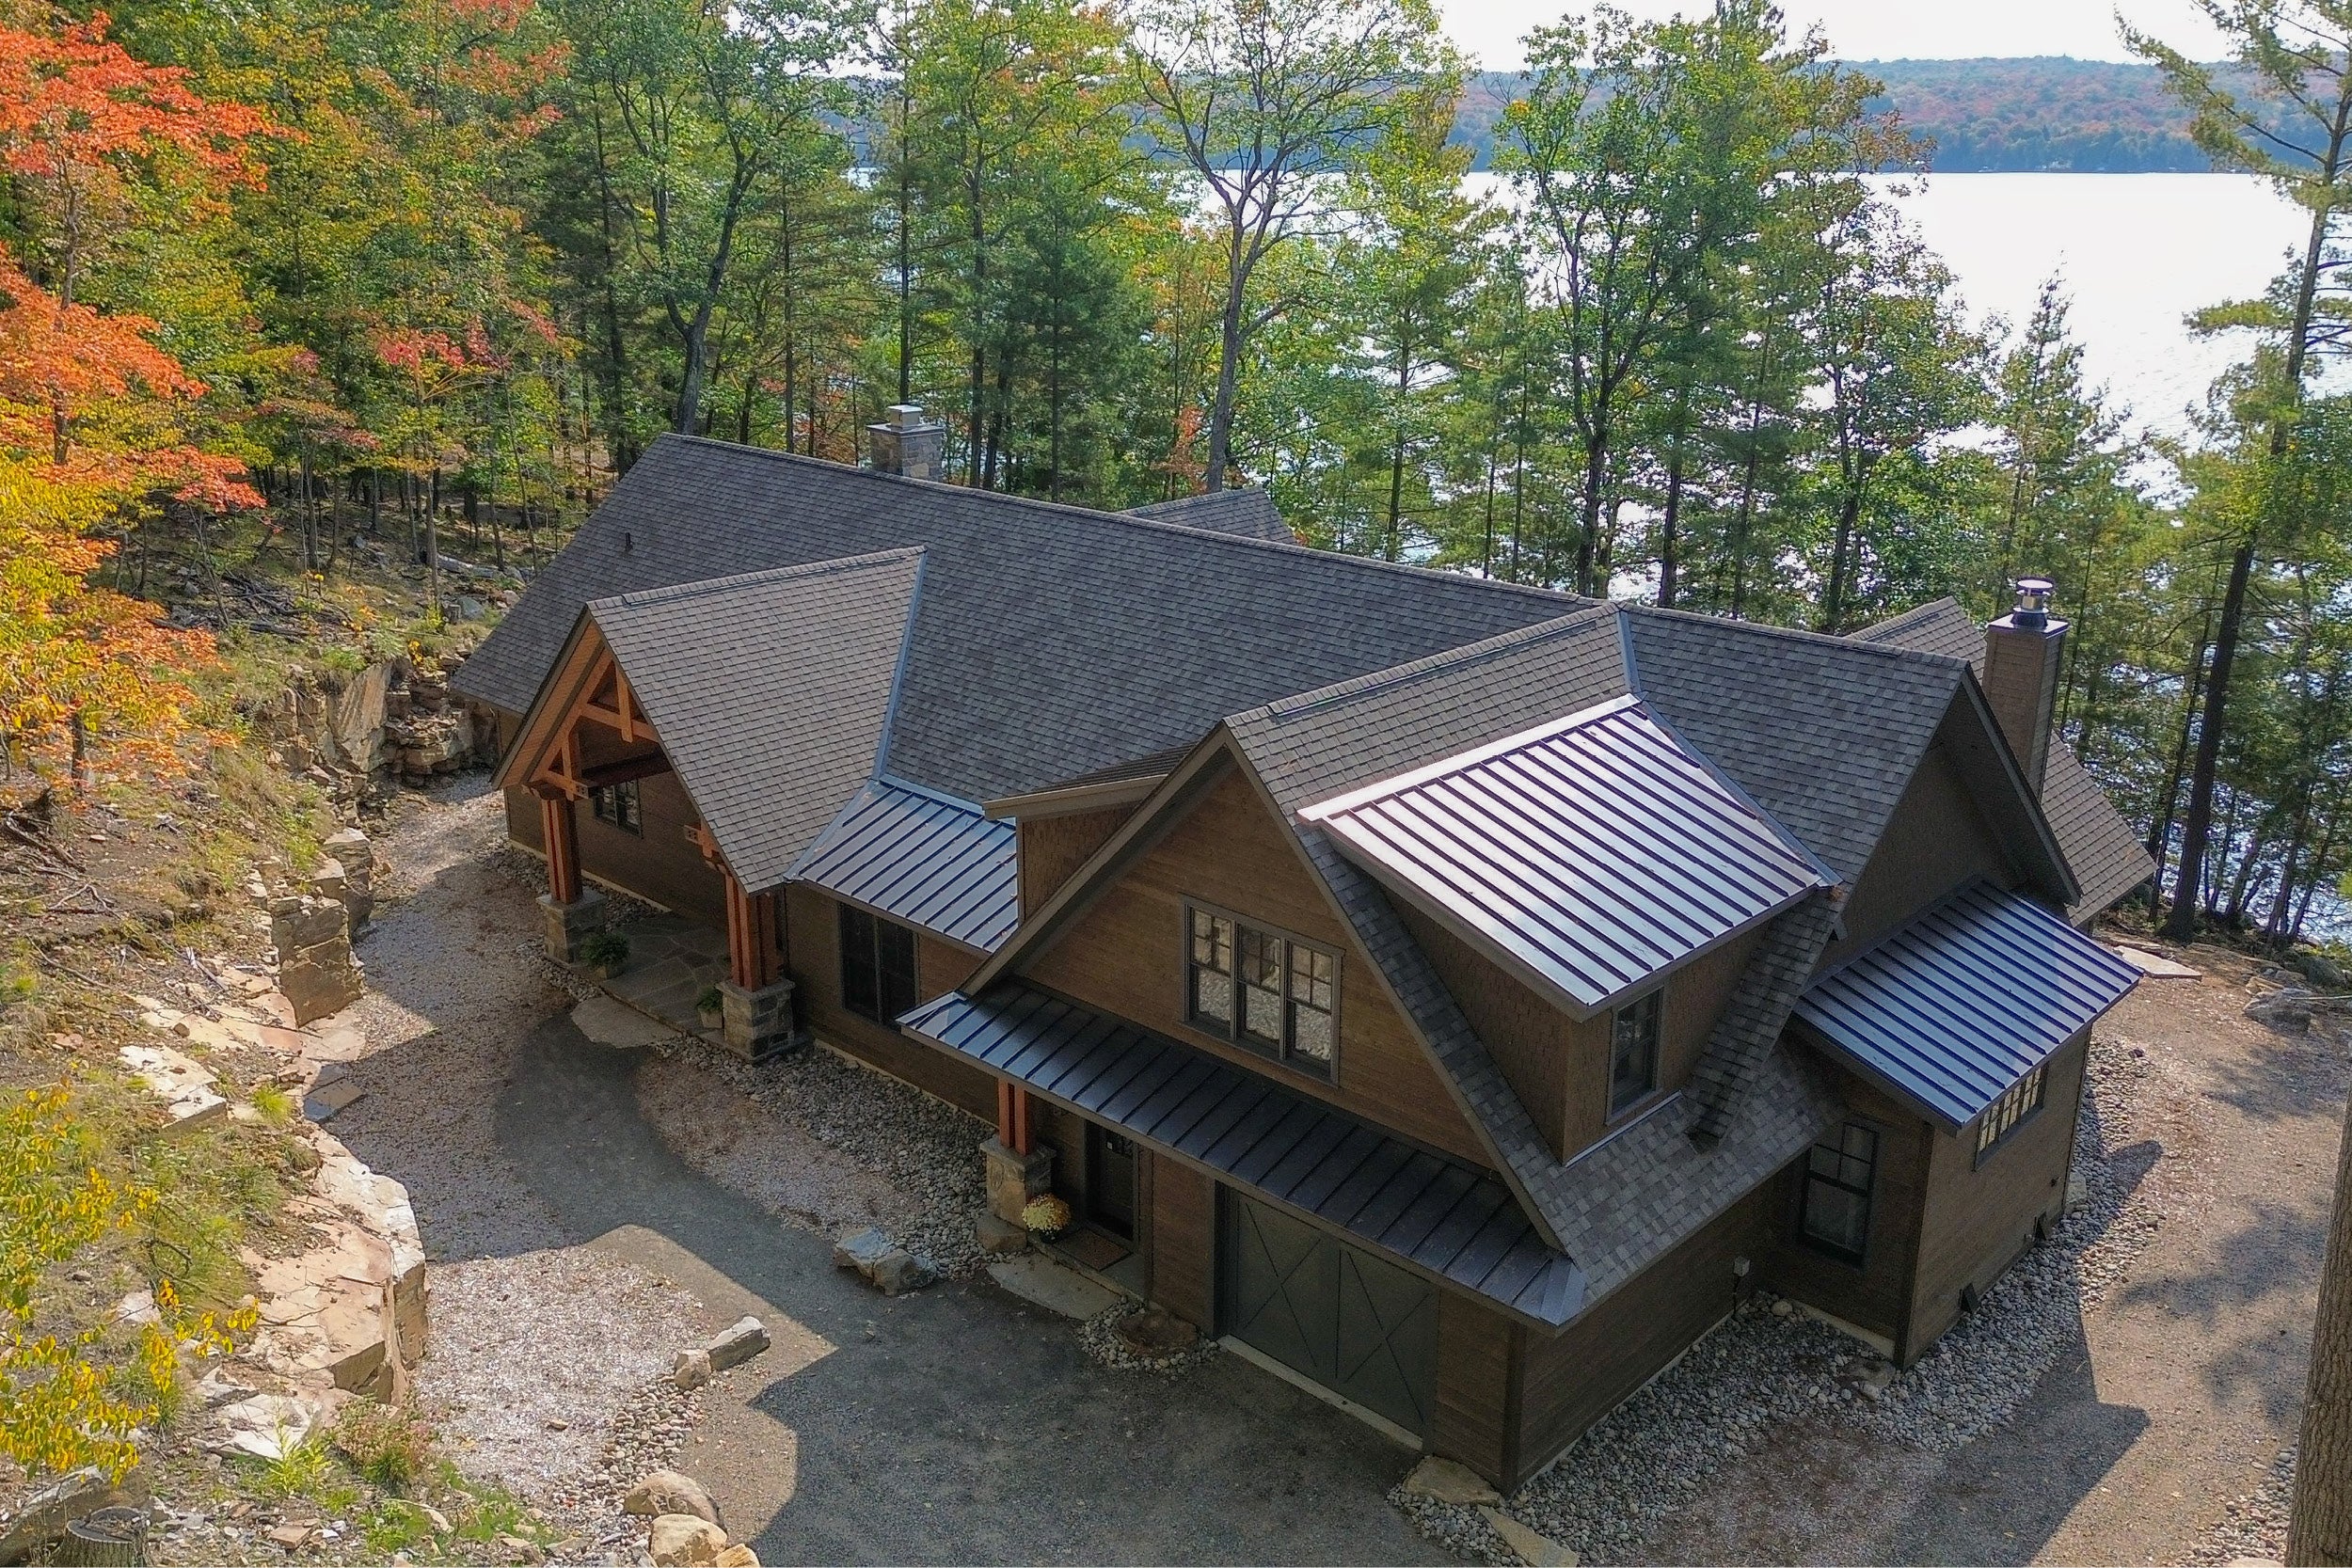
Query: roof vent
{"type": "Point", "coordinates": [629, 541]}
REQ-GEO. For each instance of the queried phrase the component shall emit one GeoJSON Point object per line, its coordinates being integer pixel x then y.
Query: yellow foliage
{"type": "Point", "coordinates": [62, 1406]}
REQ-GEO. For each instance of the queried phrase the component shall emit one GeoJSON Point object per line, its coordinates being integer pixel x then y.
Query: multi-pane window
{"type": "Point", "coordinates": [877, 965]}
{"type": "Point", "coordinates": [2018, 1101]}
{"type": "Point", "coordinates": [1634, 1053]}
{"type": "Point", "coordinates": [617, 804]}
{"type": "Point", "coordinates": [1263, 989]}
{"type": "Point", "coordinates": [1837, 1176]}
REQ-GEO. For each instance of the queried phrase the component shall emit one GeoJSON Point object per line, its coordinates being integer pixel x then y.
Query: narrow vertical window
{"type": "Point", "coordinates": [860, 982]}
{"type": "Point", "coordinates": [1312, 1001]}
{"type": "Point", "coordinates": [1261, 988]}
{"type": "Point", "coordinates": [895, 963]}
{"type": "Point", "coordinates": [1213, 971]}
{"type": "Point", "coordinates": [1633, 1054]}
{"type": "Point", "coordinates": [1838, 1174]}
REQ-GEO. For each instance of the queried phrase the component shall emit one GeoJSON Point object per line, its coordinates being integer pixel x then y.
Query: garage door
{"type": "Point", "coordinates": [1359, 1326]}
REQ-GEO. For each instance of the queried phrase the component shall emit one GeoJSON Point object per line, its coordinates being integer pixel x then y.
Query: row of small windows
{"type": "Point", "coordinates": [1269, 992]}
{"type": "Point", "coordinates": [2018, 1101]}
{"type": "Point", "coordinates": [617, 805]}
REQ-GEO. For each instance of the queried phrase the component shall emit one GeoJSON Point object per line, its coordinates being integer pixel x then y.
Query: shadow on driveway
{"type": "Point", "coordinates": [957, 1424]}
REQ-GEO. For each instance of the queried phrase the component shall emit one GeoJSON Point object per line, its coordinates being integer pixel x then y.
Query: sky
{"type": "Point", "coordinates": [1882, 29]}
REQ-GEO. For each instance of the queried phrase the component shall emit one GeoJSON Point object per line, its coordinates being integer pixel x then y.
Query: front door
{"type": "Point", "coordinates": [1111, 1180]}
{"type": "Point", "coordinates": [1360, 1326]}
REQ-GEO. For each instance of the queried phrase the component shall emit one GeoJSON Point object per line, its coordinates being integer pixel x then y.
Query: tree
{"type": "Point", "coordinates": [2319, 1523]}
{"type": "Point", "coordinates": [2300, 55]}
{"type": "Point", "coordinates": [1259, 99]}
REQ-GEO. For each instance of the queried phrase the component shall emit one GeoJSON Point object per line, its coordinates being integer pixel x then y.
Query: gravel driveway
{"type": "Point", "coordinates": [573, 1249]}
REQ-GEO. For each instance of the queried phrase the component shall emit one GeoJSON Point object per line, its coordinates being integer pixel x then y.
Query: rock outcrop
{"type": "Point", "coordinates": [316, 972]}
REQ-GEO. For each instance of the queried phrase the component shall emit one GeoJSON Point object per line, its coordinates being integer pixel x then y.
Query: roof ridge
{"type": "Point", "coordinates": [1300, 703]}
{"type": "Point", "coordinates": [1795, 634]}
{"type": "Point", "coordinates": [746, 580]}
{"type": "Point", "coordinates": [1127, 520]}
{"type": "Point", "coordinates": [1472, 757]}
{"type": "Point", "coordinates": [1895, 624]}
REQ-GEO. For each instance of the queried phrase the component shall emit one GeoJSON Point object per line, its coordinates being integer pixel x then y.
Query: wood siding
{"type": "Point", "coordinates": [1979, 1218]}
{"type": "Point", "coordinates": [813, 922]}
{"type": "Point", "coordinates": [1182, 1239]}
{"type": "Point", "coordinates": [1936, 840]}
{"type": "Point", "coordinates": [1051, 847]}
{"type": "Point", "coordinates": [659, 866]}
{"type": "Point", "coordinates": [1874, 1294]}
{"type": "Point", "coordinates": [1475, 1418]}
{"type": "Point", "coordinates": [1559, 1067]}
{"type": "Point", "coordinates": [1571, 1379]}
{"type": "Point", "coordinates": [1125, 953]}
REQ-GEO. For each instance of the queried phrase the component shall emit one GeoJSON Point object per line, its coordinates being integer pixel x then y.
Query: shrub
{"type": "Point", "coordinates": [605, 950]}
{"type": "Point", "coordinates": [709, 1001]}
{"type": "Point", "coordinates": [389, 1448]}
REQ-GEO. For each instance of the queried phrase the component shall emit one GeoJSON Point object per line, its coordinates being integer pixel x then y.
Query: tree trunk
{"type": "Point", "coordinates": [1227, 381]}
{"type": "Point", "coordinates": [2319, 1523]}
{"type": "Point", "coordinates": [2181, 924]}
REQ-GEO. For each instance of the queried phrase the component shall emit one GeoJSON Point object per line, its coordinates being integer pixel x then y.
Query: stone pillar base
{"type": "Point", "coordinates": [1015, 1178]}
{"type": "Point", "coordinates": [569, 925]}
{"type": "Point", "coordinates": [999, 1234]}
{"type": "Point", "coordinates": [757, 1024]}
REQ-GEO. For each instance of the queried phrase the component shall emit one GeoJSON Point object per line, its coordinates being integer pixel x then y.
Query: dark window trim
{"type": "Point", "coordinates": [2001, 1134]}
{"type": "Point", "coordinates": [1648, 1097]}
{"type": "Point", "coordinates": [866, 940]}
{"type": "Point", "coordinates": [618, 806]}
{"type": "Point", "coordinates": [1806, 1176]}
{"type": "Point", "coordinates": [1232, 1033]}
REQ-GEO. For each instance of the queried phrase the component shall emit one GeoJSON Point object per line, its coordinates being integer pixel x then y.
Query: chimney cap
{"type": "Point", "coordinates": [906, 415]}
{"type": "Point", "coordinates": [2033, 602]}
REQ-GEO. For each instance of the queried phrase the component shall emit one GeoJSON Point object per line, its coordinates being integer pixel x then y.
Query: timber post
{"type": "Point", "coordinates": [572, 910]}
{"type": "Point", "coordinates": [755, 999]}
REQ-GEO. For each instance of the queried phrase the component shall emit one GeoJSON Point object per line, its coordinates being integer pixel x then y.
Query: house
{"type": "Point", "coordinates": [1453, 993]}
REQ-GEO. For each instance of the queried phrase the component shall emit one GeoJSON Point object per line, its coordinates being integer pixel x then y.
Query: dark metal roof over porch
{"type": "Point", "coordinates": [1952, 1009]}
{"type": "Point", "coordinates": [1441, 1217]}
{"type": "Point", "coordinates": [922, 858]}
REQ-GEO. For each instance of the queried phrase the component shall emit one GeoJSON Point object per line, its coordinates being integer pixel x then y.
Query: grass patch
{"type": "Point", "coordinates": [305, 1471]}
{"type": "Point", "coordinates": [389, 1448]}
{"type": "Point", "coordinates": [273, 1102]}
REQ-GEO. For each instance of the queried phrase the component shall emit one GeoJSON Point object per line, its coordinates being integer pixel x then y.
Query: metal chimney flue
{"type": "Point", "coordinates": [2023, 652]}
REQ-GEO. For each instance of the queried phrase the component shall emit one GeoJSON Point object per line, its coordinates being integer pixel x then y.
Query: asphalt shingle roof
{"type": "Point", "coordinates": [2104, 854]}
{"type": "Point", "coordinates": [1052, 640]}
{"type": "Point", "coordinates": [770, 691]}
{"type": "Point", "coordinates": [1248, 512]}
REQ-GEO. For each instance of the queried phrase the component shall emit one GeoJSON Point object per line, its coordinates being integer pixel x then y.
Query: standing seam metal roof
{"type": "Point", "coordinates": [923, 859]}
{"type": "Point", "coordinates": [1443, 1217]}
{"type": "Point", "coordinates": [1953, 1008]}
{"type": "Point", "coordinates": [1592, 854]}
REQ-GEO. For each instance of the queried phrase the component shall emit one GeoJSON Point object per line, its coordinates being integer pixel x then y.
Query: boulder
{"type": "Point", "coordinates": [267, 1426]}
{"type": "Point", "coordinates": [692, 1370]}
{"type": "Point", "coordinates": [356, 857]}
{"type": "Point", "coordinates": [320, 979]}
{"type": "Point", "coordinates": [305, 919]}
{"type": "Point", "coordinates": [1156, 1331]}
{"type": "Point", "coordinates": [888, 1267]}
{"type": "Point", "coordinates": [1446, 1480]}
{"type": "Point", "coordinates": [685, 1540]}
{"type": "Point", "coordinates": [182, 1083]}
{"type": "Point", "coordinates": [736, 1557]}
{"type": "Point", "coordinates": [737, 1344]}
{"type": "Point", "coordinates": [668, 1492]}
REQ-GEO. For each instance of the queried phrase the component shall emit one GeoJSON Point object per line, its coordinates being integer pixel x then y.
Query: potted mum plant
{"type": "Point", "coordinates": [710, 1008]}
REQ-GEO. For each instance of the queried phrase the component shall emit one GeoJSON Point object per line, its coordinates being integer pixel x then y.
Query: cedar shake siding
{"type": "Point", "coordinates": [1936, 840]}
{"type": "Point", "coordinates": [1053, 847]}
{"type": "Point", "coordinates": [1125, 953]}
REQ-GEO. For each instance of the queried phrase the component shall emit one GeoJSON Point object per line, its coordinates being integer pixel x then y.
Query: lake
{"type": "Point", "coordinates": [2136, 252]}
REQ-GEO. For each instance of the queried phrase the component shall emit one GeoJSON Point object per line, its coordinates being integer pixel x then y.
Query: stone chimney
{"type": "Point", "coordinates": [2021, 676]}
{"type": "Point", "coordinates": [907, 443]}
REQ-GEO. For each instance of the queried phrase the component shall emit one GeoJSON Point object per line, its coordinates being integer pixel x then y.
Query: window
{"type": "Point", "coordinates": [1837, 1176]}
{"type": "Point", "coordinates": [1263, 989]}
{"type": "Point", "coordinates": [617, 804]}
{"type": "Point", "coordinates": [1634, 1053]}
{"type": "Point", "coordinates": [2018, 1101]}
{"type": "Point", "coordinates": [877, 965]}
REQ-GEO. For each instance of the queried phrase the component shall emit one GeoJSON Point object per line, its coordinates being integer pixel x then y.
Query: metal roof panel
{"type": "Point", "coordinates": [921, 858]}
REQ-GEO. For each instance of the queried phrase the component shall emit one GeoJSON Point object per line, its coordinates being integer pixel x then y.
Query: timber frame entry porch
{"type": "Point", "coordinates": [598, 737]}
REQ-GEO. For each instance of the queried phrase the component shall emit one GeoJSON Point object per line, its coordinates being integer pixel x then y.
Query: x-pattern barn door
{"type": "Point", "coordinates": [1359, 1327]}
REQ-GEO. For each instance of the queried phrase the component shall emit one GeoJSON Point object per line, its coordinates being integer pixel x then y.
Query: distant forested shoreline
{"type": "Point", "coordinates": [1984, 115]}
